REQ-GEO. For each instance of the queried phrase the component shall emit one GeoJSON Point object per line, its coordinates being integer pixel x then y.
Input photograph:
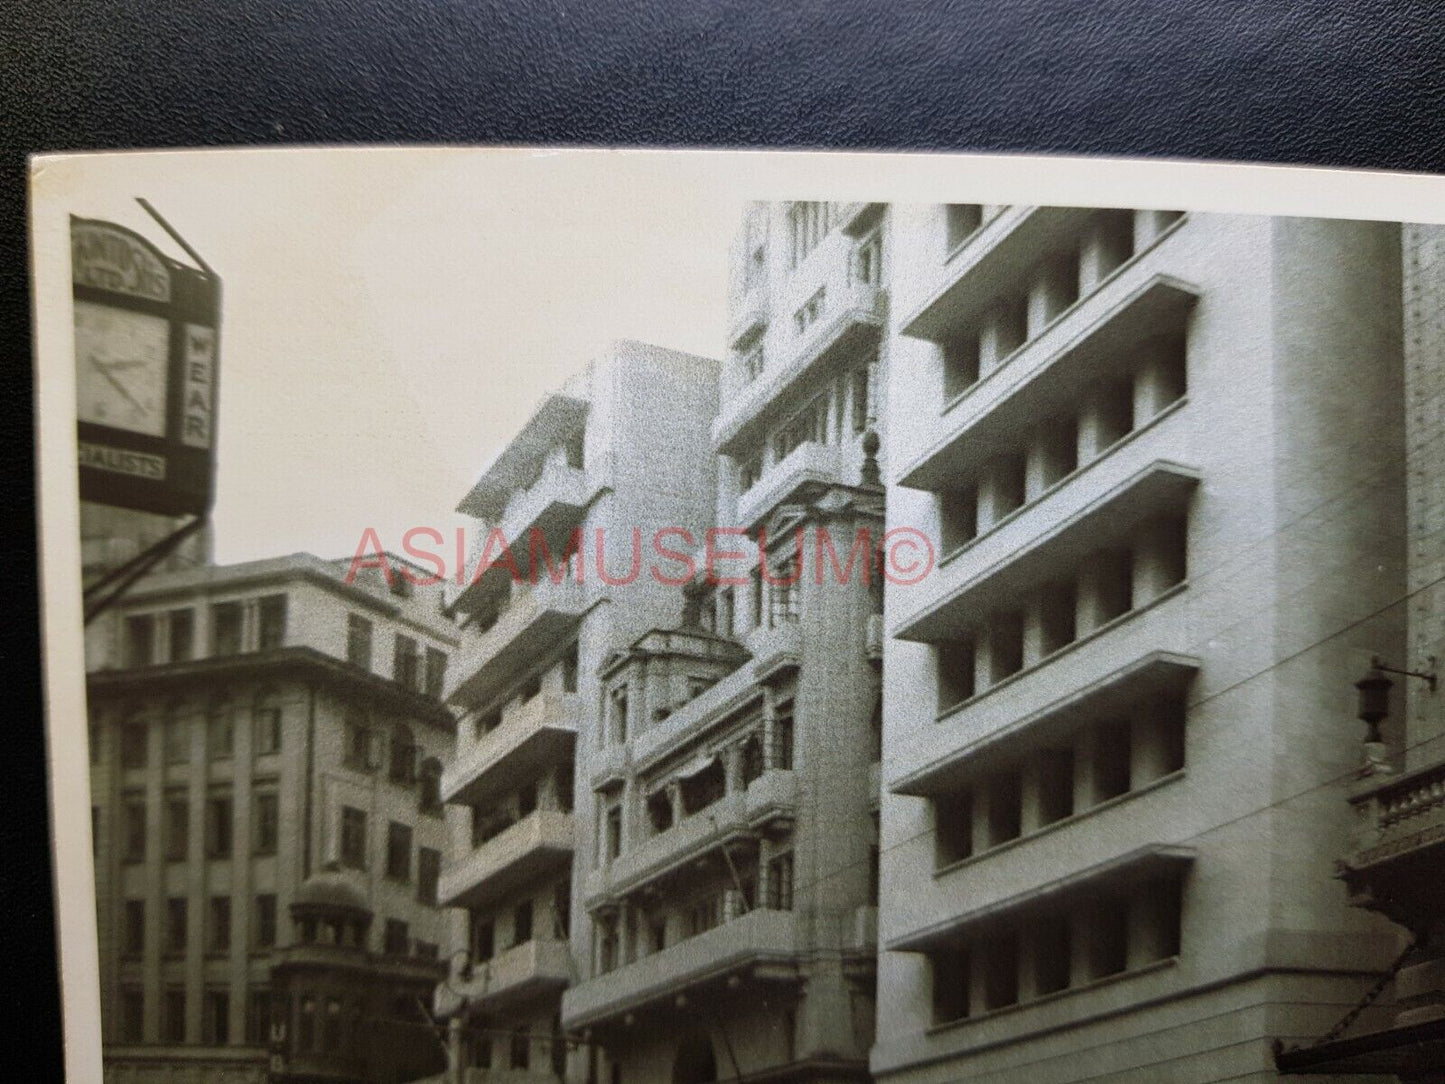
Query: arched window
{"type": "Point", "coordinates": [403, 755]}
{"type": "Point", "coordinates": [429, 775]}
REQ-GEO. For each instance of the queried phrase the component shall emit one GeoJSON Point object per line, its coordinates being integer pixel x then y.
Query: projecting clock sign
{"type": "Point", "coordinates": [146, 334]}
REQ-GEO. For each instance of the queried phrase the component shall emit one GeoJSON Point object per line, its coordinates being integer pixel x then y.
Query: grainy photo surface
{"type": "Point", "coordinates": [631, 618]}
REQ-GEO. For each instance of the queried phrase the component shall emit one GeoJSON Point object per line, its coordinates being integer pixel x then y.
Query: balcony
{"type": "Point", "coordinates": [517, 975]}
{"type": "Point", "coordinates": [1000, 254]}
{"type": "Point", "coordinates": [1401, 820]}
{"type": "Point", "coordinates": [738, 815]}
{"type": "Point", "coordinates": [852, 320]}
{"type": "Point", "coordinates": [1050, 375]}
{"type": "Point", "coordinates": [538, 734]}
{"type": "Point", "coordinates": [772, 649]}
{"type": "Point", "coordinates": [380, 966]}
{"type": "Point", "coordinates": [978, 740]}
{"type": "Point", "coordinates": [1008, 563]}
{"type": "Point", "coordinates": [858, 217]}
{"type": "Point", "coordinates": [538, 617]}
{"type": "Point", "coordinates": [536, 845]}
{"type": "Point", "coordinates": [809, 465]}
{"type": "Point", "coordinates": [760, 946]}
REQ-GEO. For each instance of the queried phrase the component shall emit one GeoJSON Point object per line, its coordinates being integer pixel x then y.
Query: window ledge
{"type": "Point", "coordinates": [1018, 675]}
{"type": "Point", "coordinates": [1056, 995]}
{"type": "Point", "coordinates": [1062, 822]}
{"type": "Point", "coordinates": [1044, 494]}
{"type": "Point", "coordinates": [1062, 315]}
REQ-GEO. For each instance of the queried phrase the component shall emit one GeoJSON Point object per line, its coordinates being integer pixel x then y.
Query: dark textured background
{"type": "Point", "coordinates": [1344, 83]}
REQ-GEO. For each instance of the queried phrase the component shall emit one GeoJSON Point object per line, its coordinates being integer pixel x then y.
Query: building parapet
{"type": "Point", "coordinates": [521, 460]}
{"type": "Point", "coordinates": [759, 946]}
{"type": "Point", "coordinates": [539, 842]}
{"type": "Point", "coordinates": [1397, 818]}
{"type": "Point", "coordinates": [516, 975]}
{"type": "Point", "coordinates": [738, 815]}
{"type": "Point", "coordinates": [539, 615]}
{"type": "Point", "coordinates": [540, 732]}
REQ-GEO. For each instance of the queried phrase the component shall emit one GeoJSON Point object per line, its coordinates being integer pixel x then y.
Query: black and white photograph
{"type": "Point", "coordinates": [537, 616]}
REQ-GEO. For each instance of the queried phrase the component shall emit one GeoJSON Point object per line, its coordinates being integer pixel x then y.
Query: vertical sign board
{"type": "Point", "coordinates": [147, 330]}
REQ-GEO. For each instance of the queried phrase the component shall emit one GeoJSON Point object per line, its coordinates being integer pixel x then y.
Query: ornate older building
{"type": "Point", "coordinates": [267, 742]}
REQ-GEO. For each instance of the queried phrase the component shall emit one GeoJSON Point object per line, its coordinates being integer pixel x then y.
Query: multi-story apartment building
{"type": "Point", "coordinates": [729, 890]}
{"type": "Point", "coordinates": [266, 743]}
{"type": "Point", "coordinates": [1160, 454]}
{"type": "Point", "coordinates": [558, 580]}
{"type": "Point", "coordinates": [1395, 862]}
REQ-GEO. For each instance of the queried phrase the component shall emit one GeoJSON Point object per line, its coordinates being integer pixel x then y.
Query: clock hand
{"type": "Point", "coordinates": [105, 372]}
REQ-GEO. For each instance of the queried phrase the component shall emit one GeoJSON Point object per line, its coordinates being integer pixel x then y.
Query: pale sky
{"type": "Point", "coordinates": [389, 320]}
{"type": "Point", "coordinates": [392, 316]}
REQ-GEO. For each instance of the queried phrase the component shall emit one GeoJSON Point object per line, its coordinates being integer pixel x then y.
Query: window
{"type": "Point", "coordinates": [522, 923]}
{"type": "Point", "coordinates": [753, 363]}
{"type": "Point", "coordinates": [862, 398]}
{"type": "Point", "coordinates": [961, 220]}
{"type": "Point", "coordinates": [809, 424]}
{"type": "Point", "coordinates": [950, 984]}
{"type": "Point", "coordinates": [219, 819]}
{"type": "Point", "coordinates": [133, 941]}
{"type": "Point", "coordinates": [780, 882]}
{"type": "Point", "coordinates": [606, 943]}
{"type": "Point", "coordinates": [358, 641]}
{"type": "Point", "coordinates": [484, 941]}
{"type": "Point", "coordinates": [175, 942]}
{"type": "Point", "coordinates": [614, 833]}
{"type": "Point", "coordinates": [782, 751]}
{"type": "Point", "coordinates": [1006, 644]}
{"type": "Point", "coordinates": [272, 632]}
{"type": "Point", "coordinates": [178, 827]}
{"type": "Point", "coordinates": [353, 838]}
{"type": "Point", "coordinates": [268, 816]}
{"type": "Point", "coordinates": [226, 628]}
{"type": "Point", "coordinates": [266, 920]}
{"type": "Point", "coordinates": [183, 635]}
{"type": "Point", "coordinates": [521, 1048]}
{"type": "Point", "coordinates": [809, 312]}
{"type": "Point", "coordinates": [1005, 807]}
{"type": "Point", "coordinates": [218, 925]}
{"type": "Point", "coordinates": [659, 811]}
{"type": "Point", "coordinates": [306, 1024]}
{"type": "Point", "coordinates": [427, 950]}
{"type": "Point", "coordinates": [703, 787]}
{"type": "Point", "coordinates": [357, 755]}
{"type": "Point", "coordinates": [398, 852]}
{"type": "Point", "coordinates": [428, 873]}
{"type": "Point", "coordinates": [430, 776]}
{"type": "Point", "coordinates": [868, 260]}
{"type": "Point", "coordinates": [482, 1052]}
{"type": "Point", "coordinates": [331, 1025]}
{"type": "Point", "coordinates": [1001, 971]}
{"type": "Point", "coordinates": [403, 756]}
{"type": "Point", "coordinates": [1111, 760]}
{"type": "Point", "coordinates": [1052, 955]}
{"type": "Point", "coordinates": [961, 363]}
{"type": "Point", "coordinates": [702, 915]}
{"type": "Point", "coordinates": [1109, 939]}
{"type": "Point", "coordinates": [783, 591]}
{"type": "Point", "coordinates": [561, 909]}
{"type": "Point", "coordinates": [436, 672]}
{"type": "Point", "coordinates": [132, 1015]}
{"type": "Point", "coordinates": [953, 827]}
{"type": "Point", "coordinates": [565, 786]}
{"type": "Point", "coordinates": [397, 938]}
{"type": "Point", "coordinates": [808, 224]}
{"type": "Point", "coordinates": [619, 714]}
{"type": "Point", "coordinates": [135, 830]}
{"type": "Point", "coordinates": [220, 731]}
{"type": "Point", "coordinates": [133, 739]}
{"type": "Point", "coordinates": [405, 663]}
{"type": "Point", "coordinates": [753, 760]}
{"type": "Point", "coordinates": [177, 739]}
{"type": "Point", "coordinates": [258, 1016]}
{"type": "Point", "coordinates": [140, 634]}
{"type": "Point", "coordinates": [216, 1018]}
{"type": "Point", "coordinates": [569, 670]}
{"type": "Point", "coordinates": [266, 732]}
{"type": "Point", "coordinates": [173, 1016]}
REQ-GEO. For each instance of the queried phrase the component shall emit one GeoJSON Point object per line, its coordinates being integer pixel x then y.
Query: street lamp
{"type": "Point", "coordinates": [1374, 689]}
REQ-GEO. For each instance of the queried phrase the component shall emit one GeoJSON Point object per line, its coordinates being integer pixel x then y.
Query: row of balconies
{"type": "Point", "coordinates": [540, 843]}
{"type": "Point", "coordinates": [539, 616]}
{"type": "Point", "coordinates": [539, 733]}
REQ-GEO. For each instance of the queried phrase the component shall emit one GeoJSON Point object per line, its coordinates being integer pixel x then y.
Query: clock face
{"type": "Point", "coordinates": [121, 364]}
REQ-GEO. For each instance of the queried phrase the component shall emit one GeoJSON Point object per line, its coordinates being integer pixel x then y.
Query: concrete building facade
{"type": "Point", "coordinates": [1160, 454]}
{"type": "Point", "coordinates": [558, 579]}
{"type": "Point", "coordinates": [266, 744]}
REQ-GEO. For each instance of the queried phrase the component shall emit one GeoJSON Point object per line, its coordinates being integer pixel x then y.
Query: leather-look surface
{"type": "Point", "coordinates": [1331, 82]}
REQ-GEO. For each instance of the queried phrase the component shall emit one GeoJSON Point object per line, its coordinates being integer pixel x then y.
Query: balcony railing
{"type": "Point", "coordinates": [537, 617]}
{"type": "Point", "coordinates": [1399, 817]}
{"type": "Point", "coordinates": [535, 845]}
{"type": "Point", "coordinates": [515, 975]}
{"type": "Point", "coordinates": [771, 796]}
{"type": "Point", "coordinates": [538, 734]}
{"type": "Point", "coordinates": [853, 316]}
{"type": "Point", "coordinates": [750, 317]}
{"type": "Point", "coordinates": [809, 464]}
{"type": "Point", "coordinates": [760, 946]}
